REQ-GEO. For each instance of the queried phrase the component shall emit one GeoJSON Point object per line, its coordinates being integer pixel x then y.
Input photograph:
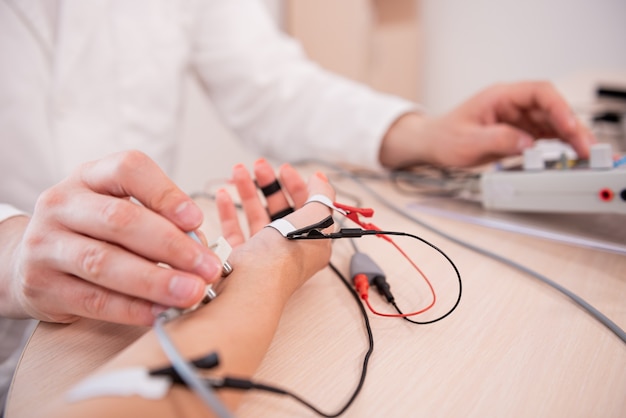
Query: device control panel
{"type": "Point", "coordinates": [597, 185]}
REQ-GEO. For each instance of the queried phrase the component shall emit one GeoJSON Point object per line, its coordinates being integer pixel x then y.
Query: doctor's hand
{"type": "Point", "coordinates": [500, 121]}
{"type": "Point", "coordinates": [89, 251]}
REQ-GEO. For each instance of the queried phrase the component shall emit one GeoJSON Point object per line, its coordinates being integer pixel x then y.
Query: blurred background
{"type": "Point", "coordinates": [435, 52]}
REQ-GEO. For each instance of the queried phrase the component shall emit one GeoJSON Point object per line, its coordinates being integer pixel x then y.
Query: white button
{"type": "Point", "coordinates": [601, 157]}
{"type": "Point", "coordinates": [533, 159]}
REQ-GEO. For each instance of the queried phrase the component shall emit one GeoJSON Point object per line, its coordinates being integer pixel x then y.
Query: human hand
{"type": "Point", "coordinates": [89, 251]}
{"type": "Point", "coordinates": [500, 121]}
{"type": "Point", "coordinates": [307, 256]}
{"type": "Point", "coordinates": [257, 214]}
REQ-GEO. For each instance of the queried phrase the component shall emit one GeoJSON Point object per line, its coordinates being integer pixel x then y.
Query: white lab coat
{"type": "Point", "coordinates": [112, 77]}
{"type": "Point", "coordinates": [106, 76]}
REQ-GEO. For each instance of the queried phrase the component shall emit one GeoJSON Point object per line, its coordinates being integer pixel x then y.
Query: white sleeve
{"type": "Point", "coordinates": [277, 100]}
{"type": "Point", "coordinates": [8, 211]}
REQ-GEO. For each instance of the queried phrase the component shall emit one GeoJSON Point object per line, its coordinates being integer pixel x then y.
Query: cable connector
{"type": "Point", "coordinates": [207, 362]}
{"type": "Point", "coordinates": [361, 284]}
{"type": "Point", "coordinates": [380, 282]}
{"type": "Point", "coordinates": [365, 272]}
{"type": "Point", "coordinates": [222, 249]}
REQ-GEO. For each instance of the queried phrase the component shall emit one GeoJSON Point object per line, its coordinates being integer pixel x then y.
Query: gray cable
{"type": "Point", "coordinates": [621, 334]}
{"type": "Point", "coordinates": [188, 372]}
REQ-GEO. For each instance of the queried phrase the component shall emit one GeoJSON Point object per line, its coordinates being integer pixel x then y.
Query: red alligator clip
{"type": "Point", "coordinates": [353, 213]}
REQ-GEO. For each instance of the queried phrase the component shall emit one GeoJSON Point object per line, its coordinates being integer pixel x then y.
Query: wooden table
{"type": "Point", "coordinates": [514, 347]}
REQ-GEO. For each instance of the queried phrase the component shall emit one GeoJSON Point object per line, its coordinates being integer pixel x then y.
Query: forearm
{"type": "Point", "coordinates": [11, 232]}
{"type": "Point", "coordinates": [239, 325]}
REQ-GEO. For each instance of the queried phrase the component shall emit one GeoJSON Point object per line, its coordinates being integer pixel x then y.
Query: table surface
{"type": "Point", "coordinates": [513, 347]}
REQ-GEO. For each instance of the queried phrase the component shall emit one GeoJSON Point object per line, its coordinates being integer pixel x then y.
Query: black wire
{"type": "Point", "coordinates": [456, 270]}
{"type": "Point", "coordinates": [358, 232]}
{"type": "Point", "coordinates": [397, 308]}
{"type": "Point", "coordinates": [431, 181]}
{"type": "Point", "coordinates": [370, 337]}
{"type": "Point", "coordinates": [595, 313]}
{"type": "Point", "coordinates": [247, 384]}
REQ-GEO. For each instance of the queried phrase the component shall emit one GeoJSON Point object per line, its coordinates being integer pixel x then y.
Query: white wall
{"type": "Point", "coordinates": [470, 44]}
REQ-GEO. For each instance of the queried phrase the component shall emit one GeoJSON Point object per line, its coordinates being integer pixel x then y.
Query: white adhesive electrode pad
{"type": "Point", "coordinates": [126, 382]}
{"type": "Point", "coordinates": [324, 200]}
{"type": "Point", "coordinates": [285, 227]}
{"type": "Point", "coordinates": [282, 226]}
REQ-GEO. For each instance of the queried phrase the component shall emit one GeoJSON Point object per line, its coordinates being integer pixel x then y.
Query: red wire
{"type": "Point", "coordinates": [363, 287]}
{"type": "Point", "coordinates": [363, 290]}
{"type": "Point", "coordinates": [365, 297]}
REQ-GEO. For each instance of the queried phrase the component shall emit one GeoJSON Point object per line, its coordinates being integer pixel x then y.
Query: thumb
{"type": "Point", "coordinates": [505, 140]}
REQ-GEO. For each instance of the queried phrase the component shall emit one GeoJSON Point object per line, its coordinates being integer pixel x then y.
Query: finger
{"type": "Point", "coordinates": [318, 184]}
{"type": "Point", "coordinates": [72, 297]}
{"type": "Point", "coordinates": [314, 211]}
{"type": "Point", "coordinates": [253, 207]}
{"type": "Point", "coordinates": [537, 124]}
{"type": "Point", "coordinates": [277, 202]}
{"type": "Point", "coordinates": [229, 219]}
{"type": "Point", "coordinates": [111, 267]}
{"type": "Point", "coordinates": [584, 139]}
{"type": "Point", "coordinates": [136, 229]}
{"type": "Point", "coordinates": [545, 98]}
{"type": "Point", "coordinates": [135, 174]}
{"type": "Point", "coordinates": [294, 184]}
{"type": "Point", "coordinates": [501, 140]}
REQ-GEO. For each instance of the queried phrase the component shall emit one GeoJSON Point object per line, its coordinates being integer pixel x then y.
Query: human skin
{"type": "Point", "coordinates": [240, 323]}
{"type": "Point", "coordinates": [89, 251]}
{"type": "Point", "coordinates": [498, 122]}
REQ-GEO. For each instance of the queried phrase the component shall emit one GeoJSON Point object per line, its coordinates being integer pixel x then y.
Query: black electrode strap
{"type": "Point", "coordinates": [282, 213]}
{"type": "Point", "coordinates": [270, 189]}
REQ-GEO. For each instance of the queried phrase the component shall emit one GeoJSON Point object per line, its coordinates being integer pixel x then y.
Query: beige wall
{"type": "Point", "coordinates": [372, 41]}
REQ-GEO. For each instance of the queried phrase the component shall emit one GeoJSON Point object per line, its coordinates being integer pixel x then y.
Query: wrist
{"type": "Point", "coordinates": [405, 142]}
{"type": "Point", "coordinates": [275, 266]}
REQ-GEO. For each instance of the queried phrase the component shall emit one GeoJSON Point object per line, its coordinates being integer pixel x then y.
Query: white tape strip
{"type": "Point", "coordinates": [126, 382]}
{"type": "Point", "coordinates": [282, 226]}
{"type": "Point", "coordinates": [324, 200]}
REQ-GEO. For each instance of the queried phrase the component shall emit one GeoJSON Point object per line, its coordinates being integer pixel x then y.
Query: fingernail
{"type": "Point", "coordinates": [260, 161]}
{"type": "Point", "coordinates": [220, 194]}
{"type": "Point", "coordinates": [524, 142]}
{"type": "Point", "coordinates": [322, 176]}
{"type": "Point", "coordinates": [207, 267]}
{"type": "Point", "coordinates": [184, 288]}
{"type": "Point", "coordinates": [189, 213]}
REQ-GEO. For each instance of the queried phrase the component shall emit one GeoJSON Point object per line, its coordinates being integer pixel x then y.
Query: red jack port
{"type": "Point", "coordinates": [606, 195]}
